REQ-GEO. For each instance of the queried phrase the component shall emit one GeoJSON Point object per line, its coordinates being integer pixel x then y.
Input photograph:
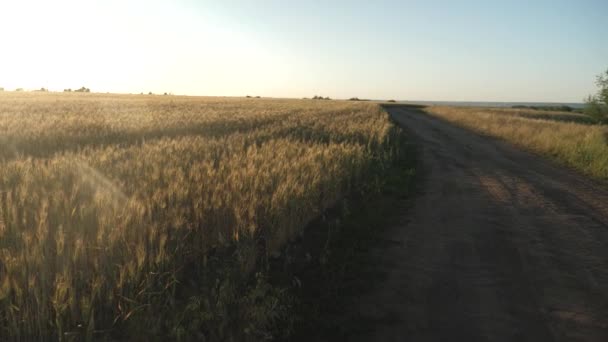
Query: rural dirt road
{"type": "Point", "coordinates": [499, 246]}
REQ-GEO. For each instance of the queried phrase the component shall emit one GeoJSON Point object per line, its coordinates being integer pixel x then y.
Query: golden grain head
{"type": "Point", "coordinates": [102, 196]}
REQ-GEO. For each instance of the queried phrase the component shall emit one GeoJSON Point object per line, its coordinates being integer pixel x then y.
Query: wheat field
{"type": "Point", "coordinates": [110, 205]}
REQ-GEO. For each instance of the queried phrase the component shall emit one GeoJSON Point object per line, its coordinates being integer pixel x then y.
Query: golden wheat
{"type": "Point", "coordinates": [107, 202]}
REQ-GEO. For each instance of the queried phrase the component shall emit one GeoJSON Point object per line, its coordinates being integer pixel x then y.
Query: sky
{"type": "Point", "coordinates": [532, 51]}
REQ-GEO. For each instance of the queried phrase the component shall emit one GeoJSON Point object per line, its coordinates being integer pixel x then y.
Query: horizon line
{"type": "Point", "coordinates": [149, 93]}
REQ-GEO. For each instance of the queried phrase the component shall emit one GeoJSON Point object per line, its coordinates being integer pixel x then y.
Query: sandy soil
{"type": "Point", "coordinates": [500, 246]}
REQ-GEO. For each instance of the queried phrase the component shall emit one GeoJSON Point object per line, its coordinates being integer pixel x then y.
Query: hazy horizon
{"type": "Point", "coordinates": [488, 51]}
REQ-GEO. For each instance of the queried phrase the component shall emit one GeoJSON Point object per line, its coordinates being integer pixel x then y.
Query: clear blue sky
{"type": "Point", "coordinates": [410, 50]}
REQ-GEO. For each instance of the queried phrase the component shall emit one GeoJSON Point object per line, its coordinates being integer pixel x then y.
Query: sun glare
{"type": "Point", "coordinates": [117, 47]}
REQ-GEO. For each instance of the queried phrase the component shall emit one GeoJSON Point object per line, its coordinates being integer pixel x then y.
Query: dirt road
{"type": "Point", "coordinates": [499, 246]}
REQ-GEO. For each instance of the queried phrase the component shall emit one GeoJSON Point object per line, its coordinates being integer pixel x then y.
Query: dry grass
{"type": "Point", "coordinates": [110, 204]}
{"type": "Point", "coordinates": [576, 143]}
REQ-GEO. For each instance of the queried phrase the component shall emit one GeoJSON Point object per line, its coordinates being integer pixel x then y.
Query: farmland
{"type": "Point", "coordinates": [142, 215]}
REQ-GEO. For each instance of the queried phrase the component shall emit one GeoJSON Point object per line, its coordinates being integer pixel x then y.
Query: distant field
{"type": "Point", "coordinates": [568, 138]}
{"type": "Point", "coordinates": [113, 209]}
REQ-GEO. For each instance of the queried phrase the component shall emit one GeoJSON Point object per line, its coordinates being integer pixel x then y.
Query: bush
{"type": "Point", "coordinates": [596, 109]}
{"type": "Point", "coordinates": [596, 106]}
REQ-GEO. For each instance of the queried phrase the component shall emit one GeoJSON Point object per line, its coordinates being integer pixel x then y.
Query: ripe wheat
{"type": "Point", "coordinates": [107, 202]}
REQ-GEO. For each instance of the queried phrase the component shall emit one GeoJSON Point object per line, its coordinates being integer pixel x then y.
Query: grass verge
{"type": "Point", "coordinates": [577, 145]}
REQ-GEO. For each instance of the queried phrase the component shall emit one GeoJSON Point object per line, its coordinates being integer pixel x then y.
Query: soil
{"type": "Point", "coordinates": [500, 245]}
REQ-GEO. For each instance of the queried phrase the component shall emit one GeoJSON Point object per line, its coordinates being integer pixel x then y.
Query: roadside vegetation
{"type": "Point", "coordinates": [556, 108]}
{"type": "Point", "coordinates": [149, 217]}
{"type": "Point", "coordinates": [567, 138]}
{"type": "Point", "coordinates": [576, 140]}
{"type": "Point", "coordinates": [333, 263]}
{"type": "Point", "coordinates": [597, 104]}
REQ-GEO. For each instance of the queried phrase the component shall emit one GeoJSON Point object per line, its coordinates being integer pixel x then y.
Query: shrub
{"type": "Point", "coordinates": [597, 105]}
{"type": "Point", "coordinates": [596, 109]}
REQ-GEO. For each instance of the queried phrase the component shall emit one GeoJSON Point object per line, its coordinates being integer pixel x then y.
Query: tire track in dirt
{"type": "Point", "coordinates": [499, 246]}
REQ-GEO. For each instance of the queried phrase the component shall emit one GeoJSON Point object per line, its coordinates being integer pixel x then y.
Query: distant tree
{"type": "Point", "coordinates": [150, 93]}
{"type": "Point", "coordinates": [354, 99]}
{"type": "Point", "coordinates": [165, 94]}
{"type": "Point", "coordinates": [392, 101]}
{"type": "Point", "coordinates": [257, 97]}
{"type": "Point", "coordinates": [596, 106]}
{"type": "Point", "coordinates": [42, 90]}
{"type": "Point", "coordinates": [83, 90]}
{"type": "Point", "coordinates": [248, 96]}
{"type": "Point", "coordinates": [327, 98]}
{"type": "Point", "coordinates": [19, 89]}
{"type": "Point", "coordinates": [1, 89]}
{"type": "Point", "coordinates": [68, 90]}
